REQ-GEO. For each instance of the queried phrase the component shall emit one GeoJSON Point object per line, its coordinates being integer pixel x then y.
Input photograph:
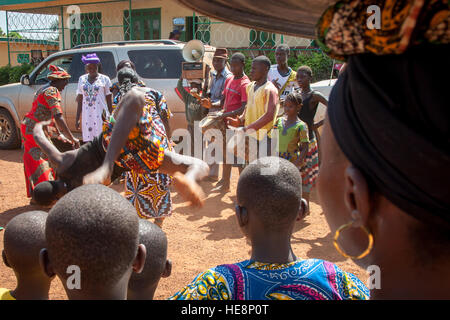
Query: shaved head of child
{"type": "Point", "coordinates": [23, 240]}
{"type": "Point", "coordinates": [269, 203]}
{"type": "Point", "coordinates": [92, 233]}
{"type": "Point", "coordinates": [142, 286]}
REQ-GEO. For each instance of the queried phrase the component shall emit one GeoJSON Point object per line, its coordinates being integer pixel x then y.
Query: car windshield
{"type": "Point", "coordinates": [157, 64]}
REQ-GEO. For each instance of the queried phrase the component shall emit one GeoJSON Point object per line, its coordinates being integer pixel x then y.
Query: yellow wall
{"type": "Point", "coordinates": [112, 15]}
{"type": "Point", "coordinates": [24, 48]}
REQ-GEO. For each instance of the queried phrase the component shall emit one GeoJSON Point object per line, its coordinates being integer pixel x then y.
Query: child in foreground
{"type": "Point", "coordinates": [23, 240]}
{"type": "Point", "coordinates": [268, 206]}
{"type": "Point", "coordinates": [142, 286]}
{"type": "Point", "coordinates": [93, 244]}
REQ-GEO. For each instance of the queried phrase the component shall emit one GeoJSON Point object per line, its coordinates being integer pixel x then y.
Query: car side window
{"type": "Point", "coordinates": [157, 64]}
{"type": "Point", "coordinates": [107, 66]}
{"type": "Point", "coordinates": [61, 61]}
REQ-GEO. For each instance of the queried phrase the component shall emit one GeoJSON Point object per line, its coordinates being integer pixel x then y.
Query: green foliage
{"type": "Point", "coordinates": [4, 74]}
{"type": "Point", "coordinates": [10, 74]}
{"type": "Point", "coordinates": [15, 35]}
{"type": "Point", "coordinates": [320, 63]}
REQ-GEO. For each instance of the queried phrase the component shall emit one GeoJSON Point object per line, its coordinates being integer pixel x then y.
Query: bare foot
{"type": "Point", "coordinates": [189, 189]}
{"type": "Point", "coordinates": [222, 187]}
{"type": "Point", "coordinates": [211, 178]}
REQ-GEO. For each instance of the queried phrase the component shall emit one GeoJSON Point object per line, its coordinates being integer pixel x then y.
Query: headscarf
{"type": "Point", "coordinates": [57, 73]}
{"type": "Point", "coordinates": [343, 29]}
{"type": "Point", "coordinates": [90, 58]}
{"type": "Point", "coordinates": [389, 110]}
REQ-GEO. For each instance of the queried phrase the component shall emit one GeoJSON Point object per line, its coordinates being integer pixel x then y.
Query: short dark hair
{"type": "Point", "coordinates": [155, 242]}
{"type": "Point", "coordinates": [275, 198]}
{"type": "Point", "coordinates": [239, 57]}
{"type": "Point", "coordinates": [284, 47]}
{"type": "Point", "coordinates": [264, 60]}
{"type": "Point", "coordinates": [23, 240]}
{"type": "Point", "coordinates": [45, 193]}
{"type": "Point", "coordinates": [96, 229]}
{"type": "Point", "coordinates": [305, 69]}
{"type": "Point", "coordinates": [128, 79]}
{"type": "Point", "coordinates": [295, 97]}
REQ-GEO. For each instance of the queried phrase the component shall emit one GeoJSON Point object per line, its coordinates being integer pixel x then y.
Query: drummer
{"type": "Point", "coordinates": [194, 110]}
{"type": "Point", "coordinates": [218, 78]}
{"type": "Point", "coordinates": [261, 109]}
{"type": "Point", "coordinates": [233, 105]}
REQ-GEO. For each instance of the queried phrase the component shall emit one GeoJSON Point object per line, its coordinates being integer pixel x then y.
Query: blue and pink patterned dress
{"type": "Point", "coordinates": [310, 279]}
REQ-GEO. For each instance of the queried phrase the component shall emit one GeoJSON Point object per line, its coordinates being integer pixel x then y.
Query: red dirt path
{"type": "Point", "coordinates": [198, 239]}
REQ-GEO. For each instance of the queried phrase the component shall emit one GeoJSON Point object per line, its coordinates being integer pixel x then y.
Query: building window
{"type": "Point", "coordinates": [90, 31]}
{"type": "Point", "coordinates": [146, 24]}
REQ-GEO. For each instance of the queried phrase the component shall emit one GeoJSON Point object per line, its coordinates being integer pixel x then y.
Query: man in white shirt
{"type": "Point", "coordinates": [281, 75]}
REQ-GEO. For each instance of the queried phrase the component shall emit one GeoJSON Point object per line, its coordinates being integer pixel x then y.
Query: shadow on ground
{"type": "Point", "coordinates": [6, 216]}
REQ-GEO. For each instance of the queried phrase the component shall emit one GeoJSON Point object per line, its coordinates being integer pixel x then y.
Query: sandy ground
{"type": "Point", "coordinates": [198, 239]}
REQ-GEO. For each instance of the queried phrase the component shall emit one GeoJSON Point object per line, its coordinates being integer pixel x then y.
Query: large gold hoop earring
{"type": "Point", "coordinates": [338, 248]}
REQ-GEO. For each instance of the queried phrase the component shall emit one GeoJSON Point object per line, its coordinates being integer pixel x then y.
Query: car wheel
{"type": "Point", "coordinates": [9, 137]}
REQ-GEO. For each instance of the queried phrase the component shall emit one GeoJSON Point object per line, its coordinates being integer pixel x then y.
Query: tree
{"type": "Point", "coordinates": [12, 34]}
{"type": "Point", "coordinates": [54, 27]}
{"type": "Point", "coordinates": [15, 35]}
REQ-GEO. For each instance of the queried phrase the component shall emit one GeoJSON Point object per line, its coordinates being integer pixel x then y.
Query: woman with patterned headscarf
{"type": "Point", "coordinates": [46, 106]}
{"type": "Point", "coordinates": [384, 179]}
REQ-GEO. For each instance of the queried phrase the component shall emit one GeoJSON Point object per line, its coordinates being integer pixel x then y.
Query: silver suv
{"type": "Point", "coordinates": [158, 64]}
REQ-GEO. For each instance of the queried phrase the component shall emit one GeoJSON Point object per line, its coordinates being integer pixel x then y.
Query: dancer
{"type": "Point", "coordinates": [141, 147]}
{"type": "Point", "coordinates": [46, 106]}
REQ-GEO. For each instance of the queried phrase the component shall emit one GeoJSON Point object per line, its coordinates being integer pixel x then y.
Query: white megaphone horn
{"type": "Point", "coordinates": [193, 51]}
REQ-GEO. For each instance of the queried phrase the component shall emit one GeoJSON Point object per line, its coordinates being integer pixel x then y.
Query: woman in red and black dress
{"type": "Point", "coordinates": [46, 106]}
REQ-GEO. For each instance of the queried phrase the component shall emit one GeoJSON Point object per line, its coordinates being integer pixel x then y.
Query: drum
{"type": "Point", "coordinates": [211, 121]}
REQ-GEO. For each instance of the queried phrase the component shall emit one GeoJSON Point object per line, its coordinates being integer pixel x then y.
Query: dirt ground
{"type": "Point", "coordinates": [198, 239]}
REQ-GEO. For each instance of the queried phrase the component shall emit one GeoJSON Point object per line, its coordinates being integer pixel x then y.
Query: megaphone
{"type": "Point", "coordinates": [193, 53]}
